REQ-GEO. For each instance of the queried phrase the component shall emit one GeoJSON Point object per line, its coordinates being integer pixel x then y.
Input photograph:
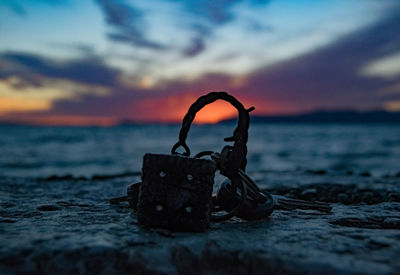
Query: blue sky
{"type": "Point", "coordinates": [71, 61]}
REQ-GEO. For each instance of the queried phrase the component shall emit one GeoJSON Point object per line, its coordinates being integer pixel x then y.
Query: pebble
{"type": "Point", "coordinates": [48, 208]}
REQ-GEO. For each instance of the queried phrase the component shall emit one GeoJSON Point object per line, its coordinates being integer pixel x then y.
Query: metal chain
{"type": "Point", "coordinates": [248, 188]}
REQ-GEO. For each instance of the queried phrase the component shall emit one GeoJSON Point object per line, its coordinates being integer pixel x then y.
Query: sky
{"type": "Point", "coordinates": [80, 62]}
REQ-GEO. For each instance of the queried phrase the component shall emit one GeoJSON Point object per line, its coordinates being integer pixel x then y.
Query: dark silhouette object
{"type": "Point", "coordinates": [175, 192]}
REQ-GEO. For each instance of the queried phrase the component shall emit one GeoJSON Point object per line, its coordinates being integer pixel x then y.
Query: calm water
{"type": "Point", "coordinates": [86, 151]}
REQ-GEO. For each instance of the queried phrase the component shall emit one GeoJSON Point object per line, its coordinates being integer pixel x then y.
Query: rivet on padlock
{"type": "Point", "coordinates": [188, 209]}
{"type": "Point", "coordinates": [159, 208]}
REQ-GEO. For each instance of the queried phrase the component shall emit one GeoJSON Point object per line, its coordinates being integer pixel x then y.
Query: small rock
{"type": "Point", "coordinates": [317, 172]}
{"type": "Point", "coordinates": [369, 197]}
{"type": "Point", "coordinates": [184, 260]}
{"type": "Point", "coordinates": [391, 222]}
{"type": "Point", "coordinates": [372, 222]}
{"type": "Point", "coordinates": [7, 221]}
{"type": "Point", "coordinates": [48, 208]}
{"type": "Point", "coordinates": [394, 197]}
{"type": "Point", "coordinates": [372, 244]}
{"type": "Point", "coordinates": [365, 174]}
{"type": "Point", "coordinates": [7, 204]}
{"type": "Point", "coordinates": [59, 178]}
{"type": "Point", "coordinates": [343, 198]}
{"type": "Point", "coordinates": [309, 191]}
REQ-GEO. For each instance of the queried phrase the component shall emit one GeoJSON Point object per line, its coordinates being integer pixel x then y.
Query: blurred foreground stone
{"type": "Point", "coordinates": [65, 225]}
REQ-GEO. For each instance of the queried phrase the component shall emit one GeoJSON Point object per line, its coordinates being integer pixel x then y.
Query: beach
{"type": "Point", "coordinates": [55, 215]}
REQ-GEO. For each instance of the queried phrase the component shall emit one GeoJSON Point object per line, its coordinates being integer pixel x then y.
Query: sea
{"type": "Point", "coordinates": [33, 151]}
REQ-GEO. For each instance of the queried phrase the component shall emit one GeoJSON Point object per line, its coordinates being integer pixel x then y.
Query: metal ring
{"type": "Point", "coordinates": [204, 153]}
{"type": "Point", "coordinates": [242, 186]}
{"type": "Point", "coordinates": [234, 211]}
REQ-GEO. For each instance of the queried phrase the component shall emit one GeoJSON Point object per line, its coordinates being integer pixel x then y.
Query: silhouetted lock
{"type": "Point", "coordinates": [176, 190]}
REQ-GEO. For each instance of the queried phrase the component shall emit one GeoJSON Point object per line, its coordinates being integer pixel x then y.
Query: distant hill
{"type": "Point", "coordinates": [345, 116]}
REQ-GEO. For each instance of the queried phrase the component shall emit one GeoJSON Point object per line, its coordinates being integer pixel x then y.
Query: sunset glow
{"type": "Point", "coordinates": [174, 108]}
{"type": "Point", "coordinates": [215, 112]}
{"type": "Point", "coordinates": [100, 62]}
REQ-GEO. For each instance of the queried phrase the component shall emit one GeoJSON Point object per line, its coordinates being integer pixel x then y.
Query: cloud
{"type": "Point", "coordinates": [90, 71]}
{"type": "Point", "coordinates": [386, 67]}
{"type": "Point", "coordinates": [133, 22]}
{"type": "Point", "coordinates": [195, 48]}
{"type": "Point", "coordinates": [130, 28]}
{"type": "Point", "coordinates": [32, 85]}
{"type": "Point", "coordinates": [215, 11]}
{"type": "Point", "coordinates": [393, 106]}
{"type": "Point", "coordinates": [41, 88]}
{"type": "Point", "coordinates": [15, 7]}
{"type": "Point", "coordinates": [211, 14]}
{"type": "Point", "coordinates": [127, 23]}
{"type": "Point", "coordinates": [84, 50]}
{"type": "Point", "coordinates": [327, 77]}
{"type": "Point", "coordinates": [18, 6]}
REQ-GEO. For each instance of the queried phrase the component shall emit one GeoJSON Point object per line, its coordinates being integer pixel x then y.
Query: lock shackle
{"type": "Point", "coordinates": [237, 159]}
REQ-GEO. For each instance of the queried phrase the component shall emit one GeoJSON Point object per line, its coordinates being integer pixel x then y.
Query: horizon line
{"type": "Point", "coordinates": [91, 122]}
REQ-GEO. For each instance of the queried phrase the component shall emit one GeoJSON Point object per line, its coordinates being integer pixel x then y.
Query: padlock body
{"type": "Point", "coordinates": [176, 192]}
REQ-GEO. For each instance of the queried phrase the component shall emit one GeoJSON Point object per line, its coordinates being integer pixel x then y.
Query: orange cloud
{"type": "Point", "coordinates": [20, 105]}
{"type": "Point", "coordinates": [393, 106]}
